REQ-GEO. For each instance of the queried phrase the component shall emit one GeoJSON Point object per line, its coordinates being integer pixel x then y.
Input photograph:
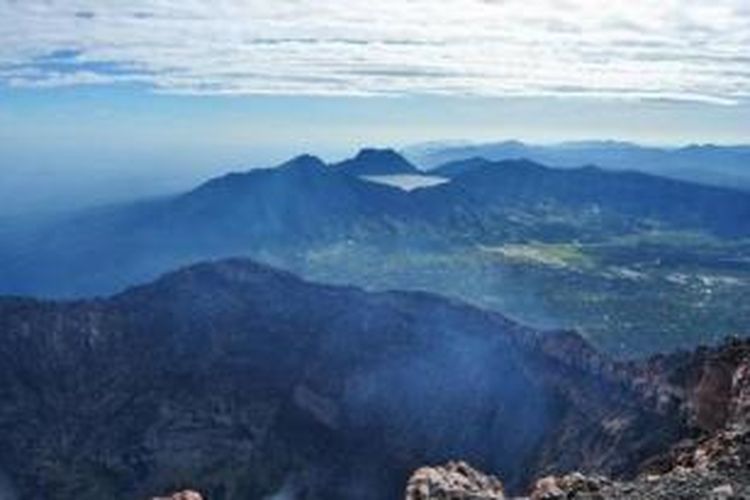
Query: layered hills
{"type": "Point", "coordinates": [305, 202]}
{"type": "Point", "coordinates": [550, 247]}
{"type": "Point", "coordinates": [722, 165]}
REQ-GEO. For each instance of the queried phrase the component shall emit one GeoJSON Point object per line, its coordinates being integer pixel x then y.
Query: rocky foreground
{"type": "Point", "coordinates": [709, 387]}
{"type": "Point", "coordinates": [715, 465]}
{"type": "Point", "coordinates": [244, 382]}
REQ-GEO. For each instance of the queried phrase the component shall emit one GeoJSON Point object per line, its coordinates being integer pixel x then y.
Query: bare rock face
{"type": "Point", "coordinates": [453, 481]}
{"type": "Point", "coordinates": [575, 485]}
{"type": "Point", "coordinates": [547, 489]}
{"type": "Point", "coordinates": [712, 388]}
{"type": "Point", "coordinates": [715, 465]}
{"type": "Point", "coordinates": [182, 495]}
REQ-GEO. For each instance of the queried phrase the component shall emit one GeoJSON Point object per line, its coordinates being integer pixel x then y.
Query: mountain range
{"type": "Point", "coordinates": [707, 163]}
{"type": "Point", "coordinates": [304, 204]}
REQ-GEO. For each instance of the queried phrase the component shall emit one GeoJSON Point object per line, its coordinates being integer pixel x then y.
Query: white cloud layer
{"type": "Point", "coordinates": [666, 49]}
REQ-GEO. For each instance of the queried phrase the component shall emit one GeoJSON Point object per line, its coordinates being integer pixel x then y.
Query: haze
{"type": "Point", "coordinates": [104, 102]}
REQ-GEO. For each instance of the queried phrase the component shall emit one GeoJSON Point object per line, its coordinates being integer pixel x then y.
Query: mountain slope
{"type": "Point", "coordinates": [240, 380]}
{"type": "Point", "coordinates": [715, 465]}
{"type": "Point", "coordinates": [628, 197]}
{"type": "Point", "coordinates": [298, 204]}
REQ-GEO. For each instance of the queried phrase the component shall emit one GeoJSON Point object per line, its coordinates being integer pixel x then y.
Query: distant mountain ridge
{"type": "Point", "coordinates": [707, 163]}
{"type": "Point", "coordinates": [304, 203]}
{"type": "Point", "coordinates": [371, 161]}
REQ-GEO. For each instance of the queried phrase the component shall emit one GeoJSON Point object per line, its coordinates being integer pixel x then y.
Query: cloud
{"type": "Point", "coordinates": [671, 49]}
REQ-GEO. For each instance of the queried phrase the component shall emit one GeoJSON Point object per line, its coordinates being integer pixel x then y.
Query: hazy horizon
{"type": "Point", "coordinates": [71, 180]}
{"type": "Point", "coordinates": [106, 102]}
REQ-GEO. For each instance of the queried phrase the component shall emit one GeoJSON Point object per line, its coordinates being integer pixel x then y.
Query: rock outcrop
{"type": "Point", "coordinates": [710, 389]}
{"type": "Point", "coordinates": [182, 495]}
{"type": "Point", "coordinates": [453, 481]}
{"type": "Point", "coordinates": [569, 486]}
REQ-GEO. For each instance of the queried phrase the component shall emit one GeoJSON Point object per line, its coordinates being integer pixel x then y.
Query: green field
{"type": "Point", "coordinates": [631, 296]}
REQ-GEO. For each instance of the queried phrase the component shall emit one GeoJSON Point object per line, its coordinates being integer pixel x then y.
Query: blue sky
{"type": "Point", "coordinates": [154, 95]}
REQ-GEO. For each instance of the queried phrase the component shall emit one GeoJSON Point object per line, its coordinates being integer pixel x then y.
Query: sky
{"type": "Point", "coordinates": [139, 97]}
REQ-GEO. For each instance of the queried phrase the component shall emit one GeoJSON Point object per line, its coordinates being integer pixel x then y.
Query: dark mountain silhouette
{"type": "Point", "coordinates": [239, 380]}
{"type": "Point", "coordinates": [377, 162]}
{"type": "Point", "coordinates": [458, 167]}
{"type": "Point", "coordinates": [299, 203]}
{"type": "Point", "coordinates": [300, 200]}
{"type": "Point", "coordinates": [304, 203]}
{"type": "Point", "coordinates": [630, 197]}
